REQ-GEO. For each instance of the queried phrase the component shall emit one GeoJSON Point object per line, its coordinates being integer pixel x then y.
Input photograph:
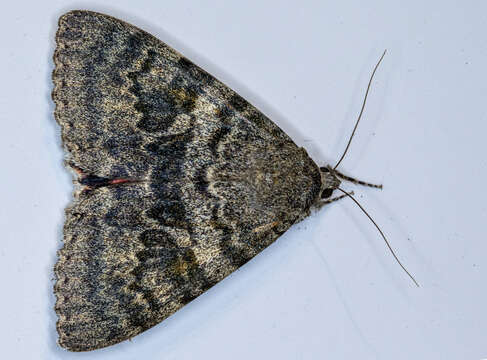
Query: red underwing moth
{"type": "Point", "coordinates": [179, 180]}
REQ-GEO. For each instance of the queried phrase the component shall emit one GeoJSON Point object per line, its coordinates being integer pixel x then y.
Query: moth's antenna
{"type": "Point", "coordinates": [361, 110]}
{"type": "Point", "coordinates": [383, 236]}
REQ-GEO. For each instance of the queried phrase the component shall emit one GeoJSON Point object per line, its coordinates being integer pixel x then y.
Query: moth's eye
{"type": "Point", "coordinates": [326, 193]}
{"type": "Point", "coordinates": [324, 169]}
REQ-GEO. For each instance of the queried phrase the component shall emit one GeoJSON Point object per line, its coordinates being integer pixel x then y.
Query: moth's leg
{"type": "Point", "coordinates": [356, 181]}
{"type": "Point", "coordinates": [328, 201]}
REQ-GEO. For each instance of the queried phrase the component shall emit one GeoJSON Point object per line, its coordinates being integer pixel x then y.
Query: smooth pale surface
{"type": "Point", "coordinates": [328, 288]}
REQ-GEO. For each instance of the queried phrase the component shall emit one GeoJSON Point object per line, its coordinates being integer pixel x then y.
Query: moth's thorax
{"type": "Point", "coordinates": [278, 180]}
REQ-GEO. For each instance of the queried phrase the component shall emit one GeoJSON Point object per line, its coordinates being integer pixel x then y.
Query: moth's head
{"type": "Point", "coordinates": [330, 181]}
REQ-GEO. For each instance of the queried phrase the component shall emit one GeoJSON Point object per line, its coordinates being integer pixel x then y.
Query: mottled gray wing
{"type": "Point", "coordinates": [181, 180]}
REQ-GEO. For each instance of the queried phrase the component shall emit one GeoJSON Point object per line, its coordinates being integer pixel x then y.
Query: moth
{"type": "Point", "coordinates": [179, 180]}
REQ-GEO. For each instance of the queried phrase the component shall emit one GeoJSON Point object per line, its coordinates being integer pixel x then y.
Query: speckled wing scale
{"type": "Point", "coordinates": [187, 180]}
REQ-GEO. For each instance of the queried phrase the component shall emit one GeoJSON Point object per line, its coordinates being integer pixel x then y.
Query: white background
{"type": "Point", "coordinates": [328, 288]}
